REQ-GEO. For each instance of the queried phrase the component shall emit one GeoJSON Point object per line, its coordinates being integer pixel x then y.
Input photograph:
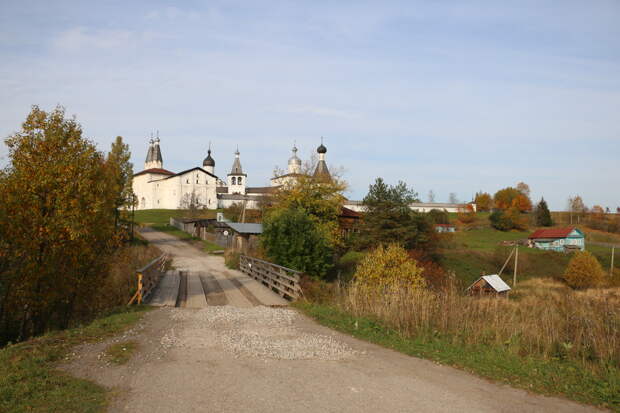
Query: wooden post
{"type": "Point", "coordinates": [514, 277]}
{"type": "Point", "coordinates": [611, 267]}
{"type": "Point", "coordinates": [139, 288]}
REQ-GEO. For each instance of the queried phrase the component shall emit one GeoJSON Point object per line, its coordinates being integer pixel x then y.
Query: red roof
{"type": "Point", "coordinates": [349, 213]}
{"type": "Point", "coordinates": [155, 171]}
{"type": "Point", "coordinates": [552, 233]}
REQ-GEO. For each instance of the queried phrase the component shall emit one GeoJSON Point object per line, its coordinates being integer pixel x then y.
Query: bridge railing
{"type": "Point", "coordinates": [148, 277]}
{"type": "Point", "coordinates": [282, 280]}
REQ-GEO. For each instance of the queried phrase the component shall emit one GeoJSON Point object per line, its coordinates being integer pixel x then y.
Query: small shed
{"type": "Point", "coordinates": [244, 236]}
{"type": "Point", "coordinates": [489, 285]}
{"type": "Point", "coordinates": [558, 239]}
{"type": "Point", "coordinates": [441, 228]}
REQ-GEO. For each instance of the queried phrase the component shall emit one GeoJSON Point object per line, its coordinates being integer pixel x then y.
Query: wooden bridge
{"type": "Point", "coordinates": [198, 280]}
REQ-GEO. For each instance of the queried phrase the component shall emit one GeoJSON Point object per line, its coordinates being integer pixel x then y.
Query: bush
{"type": "Point", "coordinates": [439, 216]}
{"type": "Point", "coordinates": [388, 269]}
{"type": "Point", "coordinates": [231, 259]}
{"type": "Point", "coordinates": [347, 264]}
{"type": "Point", "coordinates": [584, 271]}
{"type": "Point", "coordinates": [292, 238]}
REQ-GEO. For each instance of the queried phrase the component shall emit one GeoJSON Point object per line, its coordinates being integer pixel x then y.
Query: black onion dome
{"type": "Point", "coordinates": [208, 160]}
{"type": "Point", "coordinates": [321, 149]}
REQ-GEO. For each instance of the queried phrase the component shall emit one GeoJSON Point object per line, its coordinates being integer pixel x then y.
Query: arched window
{"type": "Point", "coordinates": [239, 181]}
{"type": "Point", "coordinates": [234, 181]}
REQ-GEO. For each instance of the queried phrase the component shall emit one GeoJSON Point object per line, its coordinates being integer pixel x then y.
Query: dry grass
{"type": "Point", "coordinates": [121, 283]}
{"type": "Point", "coordinates": [542, 318]}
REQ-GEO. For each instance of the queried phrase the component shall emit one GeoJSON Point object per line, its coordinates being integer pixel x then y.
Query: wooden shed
{"type": "Point", "coordinates": [488, 285]}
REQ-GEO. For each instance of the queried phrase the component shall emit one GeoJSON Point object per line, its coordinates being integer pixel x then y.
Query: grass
{"type": "Point", "coordinates": [470, 254]}
{"type": "Point", "coordinates": [29, 381]}
{"type": "Point", "coordinates": [120, 353]}
{"type": "Point", "coordinates": [162, 216]}
{"type": "Point", "coordinates": [496, 362]}
{"type": "Point", "coordinates": [208, 246]}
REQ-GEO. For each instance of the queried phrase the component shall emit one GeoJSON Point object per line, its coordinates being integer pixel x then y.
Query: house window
{"type": "Point", "coordinates": [239, 181]}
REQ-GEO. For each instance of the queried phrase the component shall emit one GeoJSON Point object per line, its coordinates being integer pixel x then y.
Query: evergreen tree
{"type": "Point", "coordinates": [389, 219]}
{"type": "Point", "coordinates": [542, 214]}
{"type": "Point", "coordinates": [122, 175]}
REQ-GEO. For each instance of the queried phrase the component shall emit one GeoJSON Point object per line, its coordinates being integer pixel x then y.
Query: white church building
{"type": "Point", "coordinates": [159, 188]}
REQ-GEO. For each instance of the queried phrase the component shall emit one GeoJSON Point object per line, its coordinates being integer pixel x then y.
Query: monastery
{"type": "Point", "coordinates": [159, 188]}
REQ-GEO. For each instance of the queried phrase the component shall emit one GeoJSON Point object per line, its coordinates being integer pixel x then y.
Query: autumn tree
{"type": "Point", "coordinates": [576, 208]}
{"type": "Point", "coordinates": [483, 201]}
{"type": "Point", "coordinates": [510, 197]}
{"type": "Point", "coordinates": [388, 218]}
{"type": "Point", "coordinates": [524, 189]}
{"type": "Point", "coordinates": [542, 214]}
{"type": "Point", "coordinates": [58, 203]}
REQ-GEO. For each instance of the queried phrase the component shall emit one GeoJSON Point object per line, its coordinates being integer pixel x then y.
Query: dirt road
{"type": "Point", "coordinates": [259, 359]}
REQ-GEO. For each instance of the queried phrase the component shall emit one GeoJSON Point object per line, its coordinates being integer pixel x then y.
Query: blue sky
{"type": "Point", "coordinates": [450, 96]}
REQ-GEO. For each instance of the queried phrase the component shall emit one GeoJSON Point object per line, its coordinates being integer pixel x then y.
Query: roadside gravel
{"type": "Point", "coordinates": [260, 332]}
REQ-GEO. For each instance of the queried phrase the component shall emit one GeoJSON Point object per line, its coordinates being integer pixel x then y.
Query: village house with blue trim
{"type": "Point", "coordinates": [558, 239]}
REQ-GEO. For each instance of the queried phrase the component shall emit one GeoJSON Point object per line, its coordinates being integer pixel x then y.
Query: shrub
{"type": "Point", "coordinates": [231, 259]}
{"type": "Point", "coordinates": [388, 269]}
{"type": "Point", "coordinates": [584, 271]}
{"type": "Point", "coordinates": [292, 238]}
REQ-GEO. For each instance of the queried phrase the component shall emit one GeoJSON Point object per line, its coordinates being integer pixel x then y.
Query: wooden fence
{"type": "Point", "coordinates": [148, 278]}
{"type": "Point", "coordinates": [282, 280]}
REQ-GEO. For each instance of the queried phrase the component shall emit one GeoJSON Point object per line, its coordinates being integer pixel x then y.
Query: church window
{"type": "Point", "coordinates": [239, 181]}
{"type": "Point", "coordinates": [234, 181]}
{"type": "Point", "coordinates": [187, 181]}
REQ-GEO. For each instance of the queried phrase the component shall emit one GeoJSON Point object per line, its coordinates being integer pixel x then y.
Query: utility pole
{"type": "Point", "coordinates": [611, 267]}
{"type": "Point", "coordinates": [514, 277]}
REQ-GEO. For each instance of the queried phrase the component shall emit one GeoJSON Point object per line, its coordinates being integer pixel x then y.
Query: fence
{"type": "Point", "coordinates": [148, 278]}
{"type": "Point", "coordinates": [284, 281]}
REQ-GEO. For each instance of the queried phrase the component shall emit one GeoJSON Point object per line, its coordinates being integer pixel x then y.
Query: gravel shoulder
{"type": "Point", "coordinates": [261, 359]}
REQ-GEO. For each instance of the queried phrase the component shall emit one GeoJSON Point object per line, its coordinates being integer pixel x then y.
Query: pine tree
{"type": "Point", "coordinates": [543, 216]}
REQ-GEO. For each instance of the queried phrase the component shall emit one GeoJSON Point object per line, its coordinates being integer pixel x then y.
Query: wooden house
{"type": "Point", "coordinates": [348, 221]}
{"type": "Point", "coordinates": [488, 285]}
{"type": "Point", "coordinates": [244, 237]}
{"type": "Point", "coordinates": [558, 239]}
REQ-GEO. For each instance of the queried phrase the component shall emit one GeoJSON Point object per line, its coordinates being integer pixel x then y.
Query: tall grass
{"type": "Point", "coordinates": [543, 318]}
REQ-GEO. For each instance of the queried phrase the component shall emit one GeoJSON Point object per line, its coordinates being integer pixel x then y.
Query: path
{"type": "Point", "coordinates": [262, 359]}
{"type": "Point", "coordinates": [204, 279]}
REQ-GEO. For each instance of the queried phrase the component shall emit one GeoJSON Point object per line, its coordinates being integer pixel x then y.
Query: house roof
{"type": "Point", "coordinates": [159, 171]}
{"type": "Point", "coordinates": [192, 169]}
{"type": "Point", "coordinates": [260, 190]}
{"type": "Point", "coordinates": [221, 190]}
{"type": "Point", "coordinates": [243, 228]}
{"type": "Point", "coordinates": [494, 281]}
{"type": "Point", "coordinates": [552, 233]}
{"type": "Point", "coordinates": [349, 213]}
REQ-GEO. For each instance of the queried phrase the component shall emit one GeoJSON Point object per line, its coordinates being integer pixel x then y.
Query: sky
{"type": "Point", "coordinates": [448, 96]}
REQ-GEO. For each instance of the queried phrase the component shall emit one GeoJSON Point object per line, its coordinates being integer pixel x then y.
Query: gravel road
{"type": "Point", "coordinates": [261, 359]}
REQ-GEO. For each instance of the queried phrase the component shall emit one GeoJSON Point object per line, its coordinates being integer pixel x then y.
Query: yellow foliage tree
{"type": "Point", "coordinates": [584, 271]}
{"type": "Point", "coordinates": [388, 269]}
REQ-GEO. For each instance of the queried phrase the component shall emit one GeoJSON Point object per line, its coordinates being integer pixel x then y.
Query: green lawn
{"type": "Point", "coordinates": [207, 245]}
{"type": "Point", "coordinates": [29, 381]}
{"type": "Point", "coordinates": [546, 376]}
{"type": "Point", "coordinates": [162, 216]}
{"type": "Point", "coordinates": [473, 253]}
